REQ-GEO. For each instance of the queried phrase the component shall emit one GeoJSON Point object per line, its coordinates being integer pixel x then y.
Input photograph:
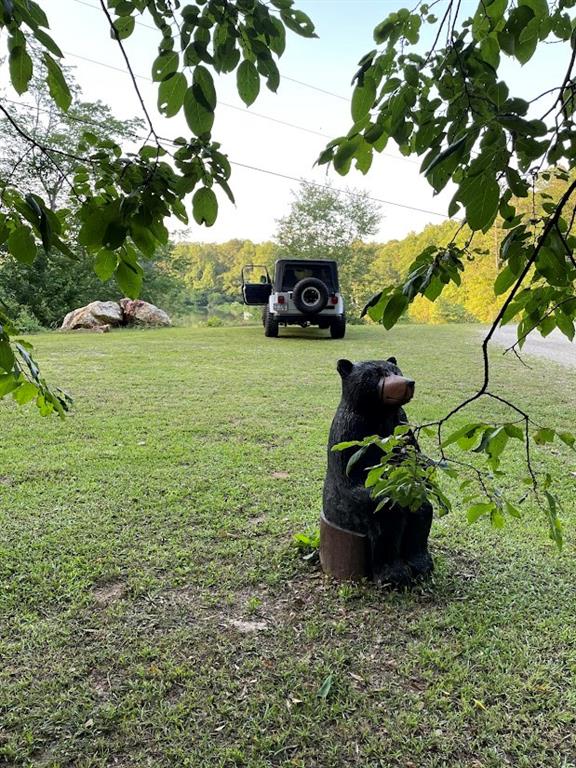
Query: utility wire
{"type": "Point", "coordinates": [221, 103]}
{"type": "Point", "coordinates": [233, 106]}
{"type": "Point", "coordinates": [165, 140]}
{"type": "Point", "coordinates": [344, 191]}
{"type": "Point", "coordinates": [243, 110]}
{"type": "Point", "coordinates": [284, 77]}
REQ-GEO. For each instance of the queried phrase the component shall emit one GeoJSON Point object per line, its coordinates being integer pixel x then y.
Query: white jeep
{"type": "Point", "coordinates": [304, 292]}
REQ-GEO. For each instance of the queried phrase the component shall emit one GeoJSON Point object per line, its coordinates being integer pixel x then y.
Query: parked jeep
{"type": "Point", "coordinates": [304, 292]}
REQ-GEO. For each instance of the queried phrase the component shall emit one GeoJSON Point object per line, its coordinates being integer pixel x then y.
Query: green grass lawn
{"type": "Point", "coordinates": [154, 612]}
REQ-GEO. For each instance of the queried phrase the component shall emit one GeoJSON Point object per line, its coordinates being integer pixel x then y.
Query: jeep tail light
{"type": "Point", "coordinates": [281, 299]}
{"type": "Point", "coordinates": [334, 299]}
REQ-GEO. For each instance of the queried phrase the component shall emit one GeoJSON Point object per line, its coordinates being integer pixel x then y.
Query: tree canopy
{"type": "Point", "coordinates": [119, 202]}
{"type": "Point", "coordinates": [448, 103]}
{"type": "Point", "coordinates": [326, 223]}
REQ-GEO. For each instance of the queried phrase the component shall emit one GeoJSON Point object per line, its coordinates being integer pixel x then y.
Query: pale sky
{"type": "Point", "coordinates": [259, 136]}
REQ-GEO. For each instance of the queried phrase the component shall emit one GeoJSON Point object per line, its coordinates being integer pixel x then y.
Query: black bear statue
{"type": "Point", "coordinates": [372, 395]}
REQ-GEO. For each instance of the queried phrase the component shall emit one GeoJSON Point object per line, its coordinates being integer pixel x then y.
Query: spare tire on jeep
{"type": "Point", "coordinates": [310, 295]}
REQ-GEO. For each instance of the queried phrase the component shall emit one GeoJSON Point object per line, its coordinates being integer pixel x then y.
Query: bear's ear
{"type": "Point", "coordinates": [393, 360]}
{"type": "Point", "coordinates": [344, 368]}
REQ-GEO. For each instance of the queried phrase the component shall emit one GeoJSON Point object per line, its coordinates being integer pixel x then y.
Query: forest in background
{"type": "Point", "coordinates": [199, 282]}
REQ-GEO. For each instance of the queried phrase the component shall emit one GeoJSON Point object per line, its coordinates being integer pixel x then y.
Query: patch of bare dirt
{"type": "Point", "coordinates": [109, 592]}
{"type": "Point", "coordinates": [247, 627]}
{"type": "Point", "coordinates": [101, 684]}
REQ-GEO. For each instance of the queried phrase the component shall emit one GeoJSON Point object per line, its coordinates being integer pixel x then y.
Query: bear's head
{"type": "Point", "coordinates": [374, 384]}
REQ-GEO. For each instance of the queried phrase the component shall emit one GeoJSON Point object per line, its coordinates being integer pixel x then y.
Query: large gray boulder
{"type": "Point", "coordinates": [137, 312]}
{"type": "Point", "coordinates": [94, 315]}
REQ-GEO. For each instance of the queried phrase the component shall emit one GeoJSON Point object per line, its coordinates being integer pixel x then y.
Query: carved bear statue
{"type": "Point", "coordinates": [372, 395]}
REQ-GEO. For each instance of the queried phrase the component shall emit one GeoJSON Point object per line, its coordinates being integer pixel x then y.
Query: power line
{"type": "Point", "coordinates": [221, 103]}
{"type": "Point", "coordinates": [344, 191]}
{"type": "Point", "coordinates": [243, 110]}
{"type": "Point", "coordinates": [253, 167]}
{"type": "Point", "coordinates": [284, 77]}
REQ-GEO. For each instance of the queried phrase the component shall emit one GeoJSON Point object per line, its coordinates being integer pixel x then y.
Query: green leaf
{"type": "Point", "coordinates": [248, 82]}
{"type": "Point", "coordinates": [171, 93]}
{"type": "Point", "coordinates": [355, 458]}
{"type": "Point", "coordinates": [480, 195]}
{"type": "Point", "coordinates": [105, 264]}
{"type": "Point", "coordinates": [200, 120]}
{"type": "Point", "coordinates": [278, 39]}
{"type": "Point", "coordinates": [298, 22]}
{"type": "Point", "coordinates": [497, 518]}
{"type": "Point", "coordinates": [452, 149]}
{"type": "Point", "coordinates": [345, 153]}
{"type": "Point", "coordinates": [21, 245]}
{"type": "Point", "coordinates": [516, 183]}
{"type": "Point", "coordinates": [394, 309]}
{"type": "Point", "coordinates": [383, 31]}
{"type": "Point", "coordinates": [512, 511]}
{"type": "Point", "coordinates": [6, 356]}
{"type": "Point", "coordinates": [567, 438]}
{"type": "Point", "coordinates": [490, 51]}
{"type": "Point", "coordinates": [123, 28]}
{"type": "Point", "coordinates": [538, 7]}
{"type": "Point", "coordinates": [496, 443]}
{"type": "Point", "coordinates": [25, 393]}
{"type": "Point", "coordinates": [552, 265]}
{"type": "Point", "coordinates": [205, 206]}
{"type": "Point", "coordinates": [347, 444]}
{"type": "Point", "coordinates": [504, 281]}
{"type": "Point", "coordinates": [513, 430]}
{"type": "Point", "coordinates": [143, 239]}
{"type": "Point", "coordinates": [21, 68]}
{"type": "Point", "coordinates": [565, 325]}
{"type": "Point", "coordinates": [363, 98]}
{"type": "Point", "coordinates": [324, 689]}
{"type": "Point", "coordinates": [57, 84]}
{"type": "Point", "coordinates": [468, 432]}
{"type": "Point", "coordinates": [47, 42]}
{"type": "Point", "coordinates": [129, 278]}
{"type": "Point", "coordinates": [8, 383]}
{"type": "Point", "coordinates": [555, 523]}
{"type": "Point", "coordinates": [544, 435]}
{"type": "Point", "coordinates": [114, 235]}
{"type": "Point", "coordinates": [476, 511]}
{"type": "Point", "coordinates": [527, 41]}
{"type": "Point", "coordinates": [164, 65]}
{"type": "Point", "coordinates": [205, 84]}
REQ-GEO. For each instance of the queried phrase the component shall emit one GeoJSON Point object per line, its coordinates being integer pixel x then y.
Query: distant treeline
{"type": "Point", "coordinates": [210, 273]}
{"type": "Point", "coordinates": [202, 280]}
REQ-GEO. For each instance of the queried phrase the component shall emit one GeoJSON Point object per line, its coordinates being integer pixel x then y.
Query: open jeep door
{"type": "Point", "coordinates": [256, 285]}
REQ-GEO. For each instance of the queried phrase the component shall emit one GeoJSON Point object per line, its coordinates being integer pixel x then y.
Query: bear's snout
{"type": "Point", "coordinates": [396, 390]}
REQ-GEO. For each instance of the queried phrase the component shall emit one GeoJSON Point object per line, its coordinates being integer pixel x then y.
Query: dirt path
{"type": "Point", "coordinates": [554, 347]}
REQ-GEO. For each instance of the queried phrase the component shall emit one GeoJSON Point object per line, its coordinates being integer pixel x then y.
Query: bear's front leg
{"type": "Point", "coordinates": [415, 541]}
{"type": "Point", "coordinates": [386, 537]}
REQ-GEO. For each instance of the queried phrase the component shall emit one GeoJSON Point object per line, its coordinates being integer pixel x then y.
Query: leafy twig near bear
{"type": "Point", "coordinates": [451, 106]}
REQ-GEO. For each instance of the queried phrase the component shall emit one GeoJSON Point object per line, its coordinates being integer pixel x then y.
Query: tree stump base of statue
{"type": "Point", "coordinates": [344, 554]}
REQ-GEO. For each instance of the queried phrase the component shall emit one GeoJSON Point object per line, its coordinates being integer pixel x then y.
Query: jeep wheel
{"type": "Point", "coordinates": [270, 324]}
{"type": "Point", "coordinates": [338, 327]}
{"type": "Point", "coordinates": [310, 295]}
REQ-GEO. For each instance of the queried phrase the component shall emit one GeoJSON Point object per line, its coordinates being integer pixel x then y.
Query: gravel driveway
{"type": "Point", "coordinates": [554, 347]}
